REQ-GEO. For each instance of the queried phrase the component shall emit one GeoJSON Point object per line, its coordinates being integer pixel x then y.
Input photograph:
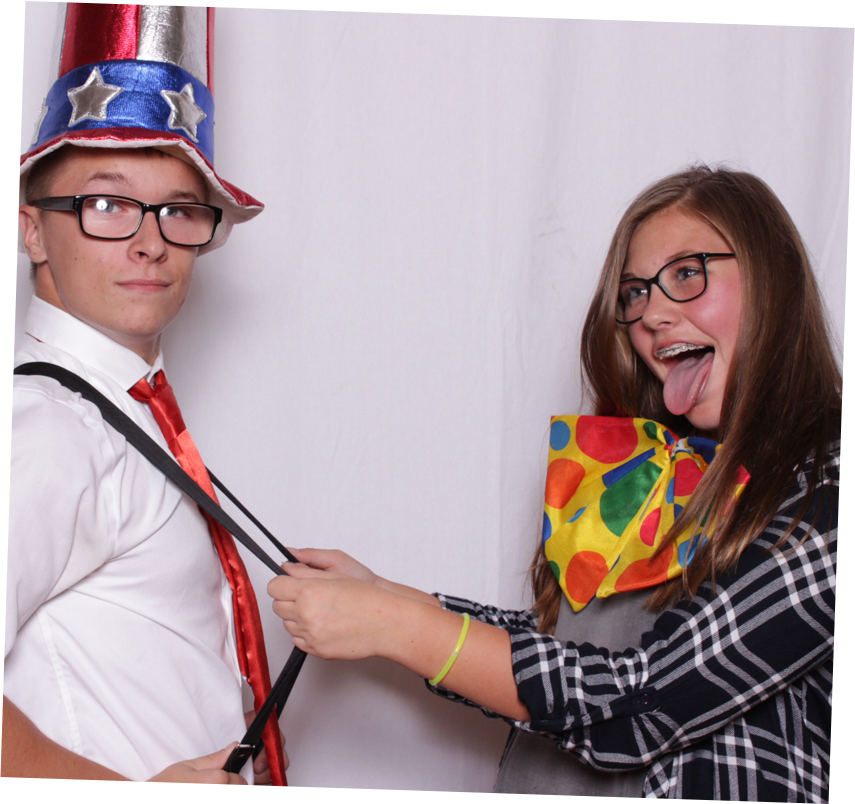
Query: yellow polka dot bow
{"type": "Point", "coordinates": [614, 487]}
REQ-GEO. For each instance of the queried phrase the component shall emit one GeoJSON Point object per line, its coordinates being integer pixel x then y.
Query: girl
{"type": "Point", "coordinates": [706, 324]}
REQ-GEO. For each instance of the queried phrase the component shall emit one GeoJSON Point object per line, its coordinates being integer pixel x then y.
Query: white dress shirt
{"type": "Point", "coordinates": [119, 630]}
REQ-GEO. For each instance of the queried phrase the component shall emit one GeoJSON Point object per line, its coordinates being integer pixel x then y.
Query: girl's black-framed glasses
{"type": "Point", "coordinates": [115, 217]}
{"type": "Point", "coordinates": [681, 280]}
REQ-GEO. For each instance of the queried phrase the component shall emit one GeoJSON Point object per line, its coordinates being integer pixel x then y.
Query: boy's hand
{"type": "Point", "coordinates": [196, 781]}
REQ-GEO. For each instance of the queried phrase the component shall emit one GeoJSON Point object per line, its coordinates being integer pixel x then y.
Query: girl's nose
{"type": "Point", "coordinates": [660, 310]}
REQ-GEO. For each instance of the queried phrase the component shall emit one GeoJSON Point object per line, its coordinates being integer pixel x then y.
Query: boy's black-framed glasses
{"type": "Point", "coordinates": [115, 217]}
{"type": "Point", "coordinates": [681, 280]}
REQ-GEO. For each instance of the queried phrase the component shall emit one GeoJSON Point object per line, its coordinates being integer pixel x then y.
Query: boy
{"type": "Point", "coordinates": [122, 655]}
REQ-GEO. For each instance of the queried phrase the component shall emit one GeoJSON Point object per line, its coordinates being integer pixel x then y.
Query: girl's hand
{"type": "Point", "coordinates": [335, 616]}
{"type": "Point", "coordinates": [332, 615]}
{"type": "Point", "coordinates": [341, 563]}
{"type": "Point", "coordinates": [335, 561]}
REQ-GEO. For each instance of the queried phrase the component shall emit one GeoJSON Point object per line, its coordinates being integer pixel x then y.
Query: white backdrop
{"type": "Point", "coordinates": [372, 363]}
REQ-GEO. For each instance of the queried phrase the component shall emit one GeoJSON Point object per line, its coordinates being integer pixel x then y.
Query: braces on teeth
{"type": "Point", "coordinates": [677, 349]}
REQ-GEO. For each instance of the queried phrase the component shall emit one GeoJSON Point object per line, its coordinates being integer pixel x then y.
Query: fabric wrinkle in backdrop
{"type": "Point", "coordinates": [372, 363]}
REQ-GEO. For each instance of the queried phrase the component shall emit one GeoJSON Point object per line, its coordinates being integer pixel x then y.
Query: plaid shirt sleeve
{"type": "Point", "coordinates": [489, 614]}
{"type": "Point", "coordinates": [764, 632]}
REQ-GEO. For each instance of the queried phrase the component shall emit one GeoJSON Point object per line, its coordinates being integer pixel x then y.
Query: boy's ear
{"type": "Point", "coordinates": [29, 220]}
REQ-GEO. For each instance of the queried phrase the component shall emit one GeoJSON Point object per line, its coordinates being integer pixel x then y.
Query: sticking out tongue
{"type": "Point", "coordinates": [685, 381]}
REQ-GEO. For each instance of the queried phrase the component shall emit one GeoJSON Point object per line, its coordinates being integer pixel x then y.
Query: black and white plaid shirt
{"type": "Point", "coordinates": [729, 696]}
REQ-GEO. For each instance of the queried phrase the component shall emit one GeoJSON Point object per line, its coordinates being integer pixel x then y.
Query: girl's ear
{"type": "Point", "coordinates": [29, 221]}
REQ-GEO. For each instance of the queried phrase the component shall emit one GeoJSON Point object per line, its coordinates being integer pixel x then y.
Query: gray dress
{"type": "Point", "coordinates": [531, 762]}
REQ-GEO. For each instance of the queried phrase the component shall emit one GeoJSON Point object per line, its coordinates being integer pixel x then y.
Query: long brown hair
{"type": "Point", "coordinates": [782, 401]}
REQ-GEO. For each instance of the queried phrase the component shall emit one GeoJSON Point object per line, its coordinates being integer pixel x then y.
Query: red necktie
{"type": "Point", "coordinates": [252, 656]}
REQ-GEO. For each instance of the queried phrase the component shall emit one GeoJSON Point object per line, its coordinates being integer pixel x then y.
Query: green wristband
{"type": "Point", "coordinates": [451, 659]}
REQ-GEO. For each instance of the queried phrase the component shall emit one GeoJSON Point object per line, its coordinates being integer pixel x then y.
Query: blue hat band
{"type": "Point", "coordinates": [131, 94]}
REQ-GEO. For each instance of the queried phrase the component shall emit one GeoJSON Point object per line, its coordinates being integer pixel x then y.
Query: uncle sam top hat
{"type": "Point", "coordinates": [130, 76]}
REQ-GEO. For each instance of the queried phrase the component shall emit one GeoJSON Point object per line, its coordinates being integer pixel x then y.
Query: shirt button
{"type": "Point", "coordinates": [645, 700]}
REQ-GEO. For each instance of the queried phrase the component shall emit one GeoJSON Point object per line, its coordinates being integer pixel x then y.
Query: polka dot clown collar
{"type": "Point", "coordinates": [614, 487]}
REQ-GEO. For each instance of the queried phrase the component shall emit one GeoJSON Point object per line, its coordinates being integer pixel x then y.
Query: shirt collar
{"type": "Point", "coordinates": [63, 331]}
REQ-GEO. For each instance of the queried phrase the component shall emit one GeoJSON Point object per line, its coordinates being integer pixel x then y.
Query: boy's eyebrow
{"type": "Point", "coordinates": [120, 178]}
{"type": "Point", "coordinates": [183, 195]}
{"type": "Point", "coordinates": [108, 175]}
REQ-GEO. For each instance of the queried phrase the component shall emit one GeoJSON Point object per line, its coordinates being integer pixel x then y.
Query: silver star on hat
{"type": "Point", "coordinates": [186, 113]}
{"type": "Point", "coordinates": [89, 101]}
